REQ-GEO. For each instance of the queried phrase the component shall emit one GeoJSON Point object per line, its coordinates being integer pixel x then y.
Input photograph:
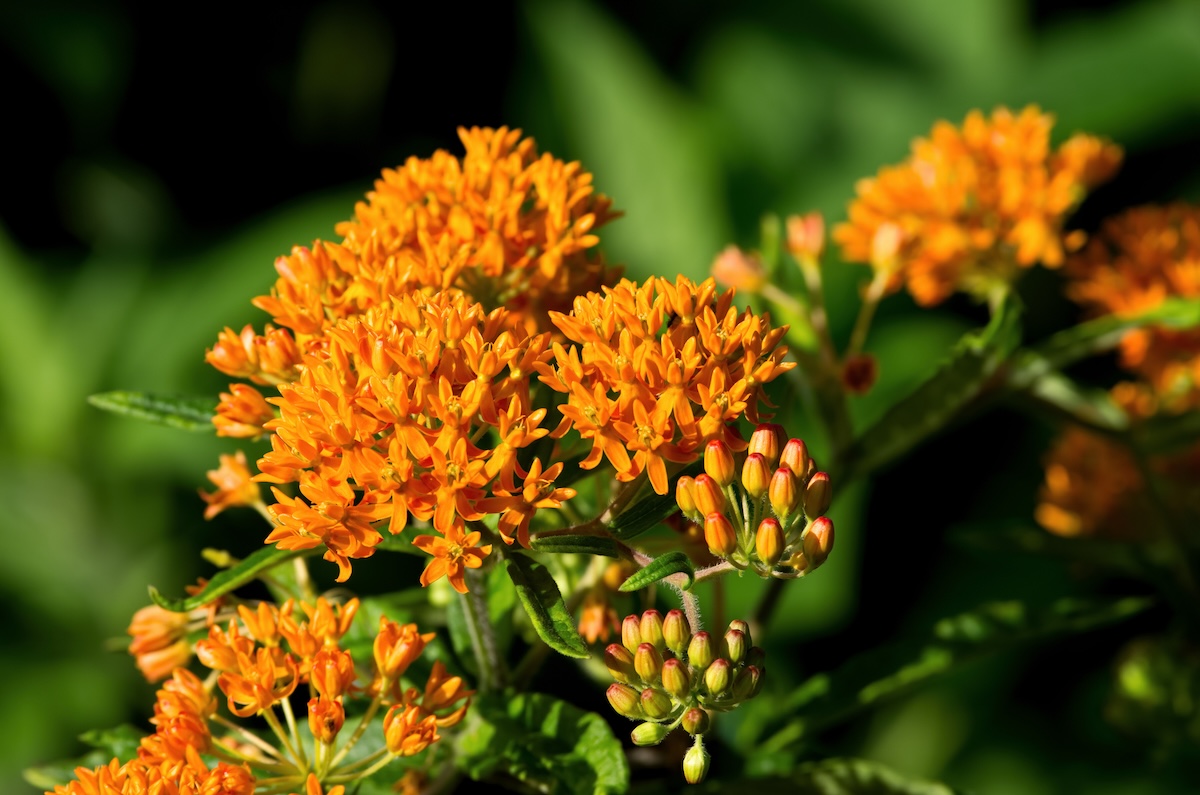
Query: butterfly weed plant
{"type": "Point", "coordinates": [460, 376]}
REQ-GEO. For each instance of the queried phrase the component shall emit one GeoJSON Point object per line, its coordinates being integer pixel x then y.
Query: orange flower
{"type": "Point", "coordinates": [325, 718]}
{"type": "Point", "coordinates": [234, 486]}
{"type": "Point", "coordinates": [442, 692]}
{"type": "Point", "coordinates": [598, 618]}
{"type": "Point", "coordinates": [159, 642]}
{"type": "Point", "coordinates": [396, 646]}
{"type": "Point", "coordinates": [312, 786]}
{"type": "Point", "coordinates": [332, 672]}
{"type": "Point", "coordinates": [270, 358]}
{"type": "Point", "coordinates": [242, 412]}
{"type": "Point", "coordinates": [974, 203]}
{"type": "Point", "coordinates": [262, 681]}
{"type": "Point", "coordinates": [453, 554]}
{"type": "Point", "coordinates": [409, 730]}
{"type": "Point", "coordinates": [537, 491]}
{"type": "Point", "coordinates": [1091, 488]}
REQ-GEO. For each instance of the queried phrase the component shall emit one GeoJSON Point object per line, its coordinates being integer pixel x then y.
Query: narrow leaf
{"type": "Point", "coordinates": [540, 597]}
{"type": "Point", "coordinates": [647, 513]}
{"type": "Point", "coordinates": [662, 566]}
{"type": "Point", "coordinates": [585, 545]}
{"type": "Point", "coordinates": [189, 414]}
{"type": "Point", "coordinates": [859, 777]}
{"type": "Point", "coordinates": [225, 581]}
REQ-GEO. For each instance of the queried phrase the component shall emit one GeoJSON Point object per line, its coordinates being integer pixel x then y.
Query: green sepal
{"type": "Point", "coordinates": [539, 595]}
{"type": "Point", "coordinates": [662, 566]}
{"type": "Point", "coordinates": [186, 413]}
{"type": "Point", "coordinates": [579, 544]}
{"type": "Point", "coordinates": [225, 581]}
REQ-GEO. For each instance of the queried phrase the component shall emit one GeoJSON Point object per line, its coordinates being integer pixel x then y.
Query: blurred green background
{"type": "Point", "coordinates": [155, 169]}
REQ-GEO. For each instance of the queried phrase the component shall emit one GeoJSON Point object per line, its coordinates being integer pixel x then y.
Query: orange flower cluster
{"type": "Point", "coordinates": [159, 638]}
{"type": "Point", "coordinates": [659, 370]}
{"type": "Point", "coordinates": [1091, 488]}
{"type": "Point", "coordinates": [138, 777]}
{"type": "Point", "coordinates": [973, 203]}
{"type": "Point", "coordinates": [1140, 258]}
{"type": "Point", "coordinates": [417, 407]}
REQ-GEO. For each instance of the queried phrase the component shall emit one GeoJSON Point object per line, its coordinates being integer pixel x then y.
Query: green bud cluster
{"type": "Point", "coordinates": [771, 517]}
{"type": "Point", "coordinates": [667, 677]}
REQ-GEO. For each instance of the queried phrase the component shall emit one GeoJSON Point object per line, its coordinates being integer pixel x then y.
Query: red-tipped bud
{"type": "Point", "coordinates": [676, 631]}
{"type": "Point", "coordinates": [650, 734]}
{"type": "Point", "coordinates": [675, 678]}
{"type": "Point", "coordinates": [325, 718]}
{"type": "Point", "coordinates": [709, 498]}
{"type": "Point", "coordinates": [655, 703]}
{"type": "Point", "coordinates": [806, 236]}
{"type": "Point", "coordinates": [696, 721]}
{"type": "Point", "coordinates": [817, 495]}
{"type": "Point", "coordinates": [619, 662]}
{"type": "Point", "coordinates": [756, 475]}
{"type": "Point", "coordinates": [695, 763]}
{"type": "Point", "coordinates": [747, 683]}
{"type": "Point", "coordinates": [701, 651]}
{"type": "Point", "coordinates": [769, 541]}
{"type": "Point", "coordinates": [768, 440]}
{"type": "Point", "coordinates": [719, 534]}
{"type": "Point", "coordinates": [718, 462]}
{"type": "Point", "coordinates": [718, 676]}
{"type": "Point", "coordinates": [795, 457]}
{"type": "Point", "coordinates": [757, 657]}
{"type": "Point", "coordinates": [685, 497]}
{"type": "Point", "coordinates": [651, 628]}
{"type": "Point", "coordinates": [736, 645]}
{"type": "Point", "coordinates": [742, 627]}
{"type": "Point", "coordinates": [784, 493]}
{"type": "Point", "coordinates": [631, 633]}
{"type": "Point", "coordinates": [818, 541]}
{"type": "Point", "coordinates": [625, 700]}
{"type": "Point", "coordinates": [648, 663]}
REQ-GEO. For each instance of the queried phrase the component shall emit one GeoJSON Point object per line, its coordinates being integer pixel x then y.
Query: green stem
{"type": "Point", "coordinates": [370, 759]}
{"type": "Point", "coordinates": [360, 729]}
{"type": "Point", "coordinates": [866, 313]}
{"type": "Point", "coordinates": [273, 721]}
{"type": "Point", "coordinates": [291, 722]}
{"type": "Point", "coordinates": [483, 637]}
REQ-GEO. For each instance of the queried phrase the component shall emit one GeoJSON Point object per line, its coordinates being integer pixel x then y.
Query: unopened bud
{"type": "Point", "coordinates": [631, 633]}
{"type": "Point", "coordinates": [742, 627]}
{"type": "Point", "coordinates": [655, 703]}
{"type": "Point", "coordinates": [736, 645]}
{"type": "Point", "coordinates": [795, 457]}
{"type": "Point", "coordinates": [784, 493]}
{"type": "Point", "coordinates": [625, 700]}
{"type": "Point", "coordinates": [757, 657]}
{"type": "Point", "coordinates": [718, 676]}
{"type": "Point", "coordinates": [685, 497]}
{"type": "Point", "coordinates": [818, 541]}
{"type": "Point", "coordinates": [718, 462]}
{"type": "Point", "coordinates": [747, 684]}
{"type": "Point", "coordinates": [859, 373]}
{"type": "Point", "coordinates": [675, 678]}
{"type": "Point", "coordinates": [806, 235]}
{"type": "Point", "coordinates": [676, 631]}
{"type": "Point", "coordinates": [817, 495]}
{"type": "Point", "coordinates": [700, 651]}
{"type": "Point", "coordinates": [619, 662]}
{"type": "Point", "coordinates": [739, 270]}
{"type": "Point", "coordinates": [768, 440]}
{"type": "Point", "coordinates": [325, 718]}
{"type": "Point", "coordinates": [648, 663]}
{"type": "Point", "coordinates": [696, 721]}
{"type": "Point", "coordinates": [769, 541]}
{"type": "Point", "coordinates": [709, 498]}
{"type": "Point", "coordinates": [756, 475]}
{"type": "Point", "coordinates": [695, 763]}
{"type": "Point", "coordinates": [651, 628]}
{"type": "Point", "coordinates": [719, 535]}
{"type": "Point", "coordinates": [650, 734]}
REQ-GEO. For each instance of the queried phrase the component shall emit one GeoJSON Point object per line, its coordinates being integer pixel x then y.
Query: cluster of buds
{"type": "Point", "coordinates": [668, 677]}
{"type": "Point", "coordinates": [766, 514]}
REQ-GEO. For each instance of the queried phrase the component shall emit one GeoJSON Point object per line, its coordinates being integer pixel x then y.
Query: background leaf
{"type": "Point", "coordinates": [189, 414]}
{"type": "Point", "coordinates": [539, 595]}
{"type": "Point", "coordinates": [662, 566]}
{"type": "Point", "coordinates": [586, 545]}
{"type": "Point", "coordinates": [254, 565]}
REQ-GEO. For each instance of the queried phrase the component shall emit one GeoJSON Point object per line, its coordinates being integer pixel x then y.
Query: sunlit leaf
{"type": "Point", "coordinates": [189, 414]}
{"type": "Point", "coordinates": [539, 595]}
{"type": "Point", "coordinates": [579, 544]}
{"type": "Point", "coordinates": [253, 566]}
{"type": "Point", "coordinates": [662, 566]}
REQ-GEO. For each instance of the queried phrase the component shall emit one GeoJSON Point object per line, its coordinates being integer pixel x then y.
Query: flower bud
{"type": "Point", "coordinates": [675, 678]}
{"type": "Point", "coordinates": [818, 541]}
{"type": "Point", "coordinates": [631, 633]}
{"type": "Point", "coordinates": [747, 683]}
{"type": "Point", "coordinates": [769, 541]}
{"type": "Point", "coordinates": [325, 718]}
{"type": "Point", "coordinates": [709, 498]}
{"type": "Point", "coordinates": [784, 493]}
{"type": "Point", "coordinates": [817, 495]}
{"type": "Point", "coordinates": [859, 373]}
{"type": "Point", "coordinates": [650, 734]}
{"type": "Point", "coordinates": [695, 763]}
{"type": "Point", "coordinates": [648, 663]}
{"type": "Point", "coordinates": [756, 475]}
{"type": "Point", "coordinates": [696, 721]}
{"type": "Point", "coordinates": [700, 651]}
{"type": "Point", "coordinates": [651, 628]}
{"type": "Point", "coordinates": [736, 645]}
{"type": "Point", "coordinates": [685, 497]}
{"type": "Point", "coordinates": [655, 703]}
{"type": "Point", "coordinates": [718, 462]}
{"type": "Point", "coordinates": [739, 270]}
{"type": "Point", "coordinates": [718, 676]}
{"type": "Point", "coordinates": [619, 662]}
{"type": "Point", "coordinates": [795, 457]}
{"type": "Point", "coordinates": [676, 631]}
{"type": "Point", "coordinates": [719, 534]}
{"type": "Point", "coordinates": [742, 627]}
{"type": "Point", "coordinates": [624, 700]}
{"type": "Point", "coordinates": [768, 440]}
{"type": "Point", "coordinates": [757, 657]}
{"type": "Point", "coordinates": [806, 235]}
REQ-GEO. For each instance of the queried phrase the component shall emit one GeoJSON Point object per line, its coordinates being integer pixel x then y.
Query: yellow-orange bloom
{"type": "Point", "coordinates": [597, 618]}
{"type": "Point", "coordinates": [312, 786]}
{"type": "Point", "coordinates": [235, 487]}
{"type": "Point", "coordinates": [972, 204]}
{"type": "Point", "coordinates": [453, 553]}
{"type": "Point", "coordinates": [159, 642]}
{"type": "Point", "coordinates": [396, 646]}
{"type": "Point", "coordinates": [409, 730]}
{"type": "Point", "coordinates": [242, 412]}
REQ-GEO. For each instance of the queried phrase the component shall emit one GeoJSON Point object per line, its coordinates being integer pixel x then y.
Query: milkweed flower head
{"type": "Point", "coordinates": [973, 203]}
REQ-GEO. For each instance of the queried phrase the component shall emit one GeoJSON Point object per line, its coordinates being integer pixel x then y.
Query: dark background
{"type": "Point", "coordinates": [154, 168]}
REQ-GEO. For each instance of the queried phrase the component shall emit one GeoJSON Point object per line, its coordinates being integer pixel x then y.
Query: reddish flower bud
{"type": "Point", "coordinates": [619, 662]}
{"type": "Point", "coordinates": [859, 373]}
{"type": "Point", "coordinates": [701, 651]}
{"type": "Point", "coordinates": [709, 498]}
{"type": "Point", "coordinates": [718, 462]}
{"type": "Point", "coordinates": [676, 631]}
{"type": "Point", "coordinates": [806, 236]}
{"type": "Point", "coordinates": [651, 628]}
{"type": "Point", "coordinates": [768, 440]}
{"type": "Point", "coordinates": [675, 678]}
{"type": "Point", "coordinates": [739, 270]}
{"type": "Point", "coordinates": [818, 541]}
{"type": "Point", "coordinates": [757, 657]}
{"type": "Point", "coordinates": [696, 721]}
{"type": "Point", "coordinates": [625, 700]}
{"type": "Point", "coordinates": [648, 663]}
{"type": "Point", "coordinates": [631, 633]}
{"type": "Point", "coordinates": [685, 497]}
{"type": "Point", "coordinates": [784, 493]}
{"type": "Point", "coordinates": [735, 645]}
{"type": "Point", "coordinates": [719, 534]}
{"type": "Point", "coordinates": [718, 676]}
{"type": "Point", "coordinates": [655, 703]}
{"type": "Point", "coordinates": [747, 683]}
{"type": "Point", "coordinates": [769, 541]}
{"type": "Point", "coordinates": [756, 475]}
{"type": "Point", "coordinates": [742, 627]}
{"type": "Point", "coordinates": [649, 734]}
{"type": "Point", "coordinates": [817, 495]}
{"type": "Point", "coordinates": [795, 457]}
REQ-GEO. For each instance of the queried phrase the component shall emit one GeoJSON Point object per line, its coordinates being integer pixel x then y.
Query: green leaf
{"type": "Point", "coordinates": [225, 581]}
{"type": "Point", "coordinates": [829, 698]}
{"type": "Point", "coordinates": [120, 742]}
{"type": "Point", "coordinates": [662, 566]}
{"type": "Point", "coordinates": [958, 384]}
{"type": "Point", "coordinates": [585, 545]}
{"type": "Point", "coordinates": [546, 744]}
{"type": "Point", "coordinates": [539, 595]}
{"type": "Point", "coordinates": [1088, 406]}
{"type": "Point", "coordinates": [189, 414]}
{"type": "Point", "coordinates": [649, 512]}
{"type": "Point", "coordinates": [858, 777]}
